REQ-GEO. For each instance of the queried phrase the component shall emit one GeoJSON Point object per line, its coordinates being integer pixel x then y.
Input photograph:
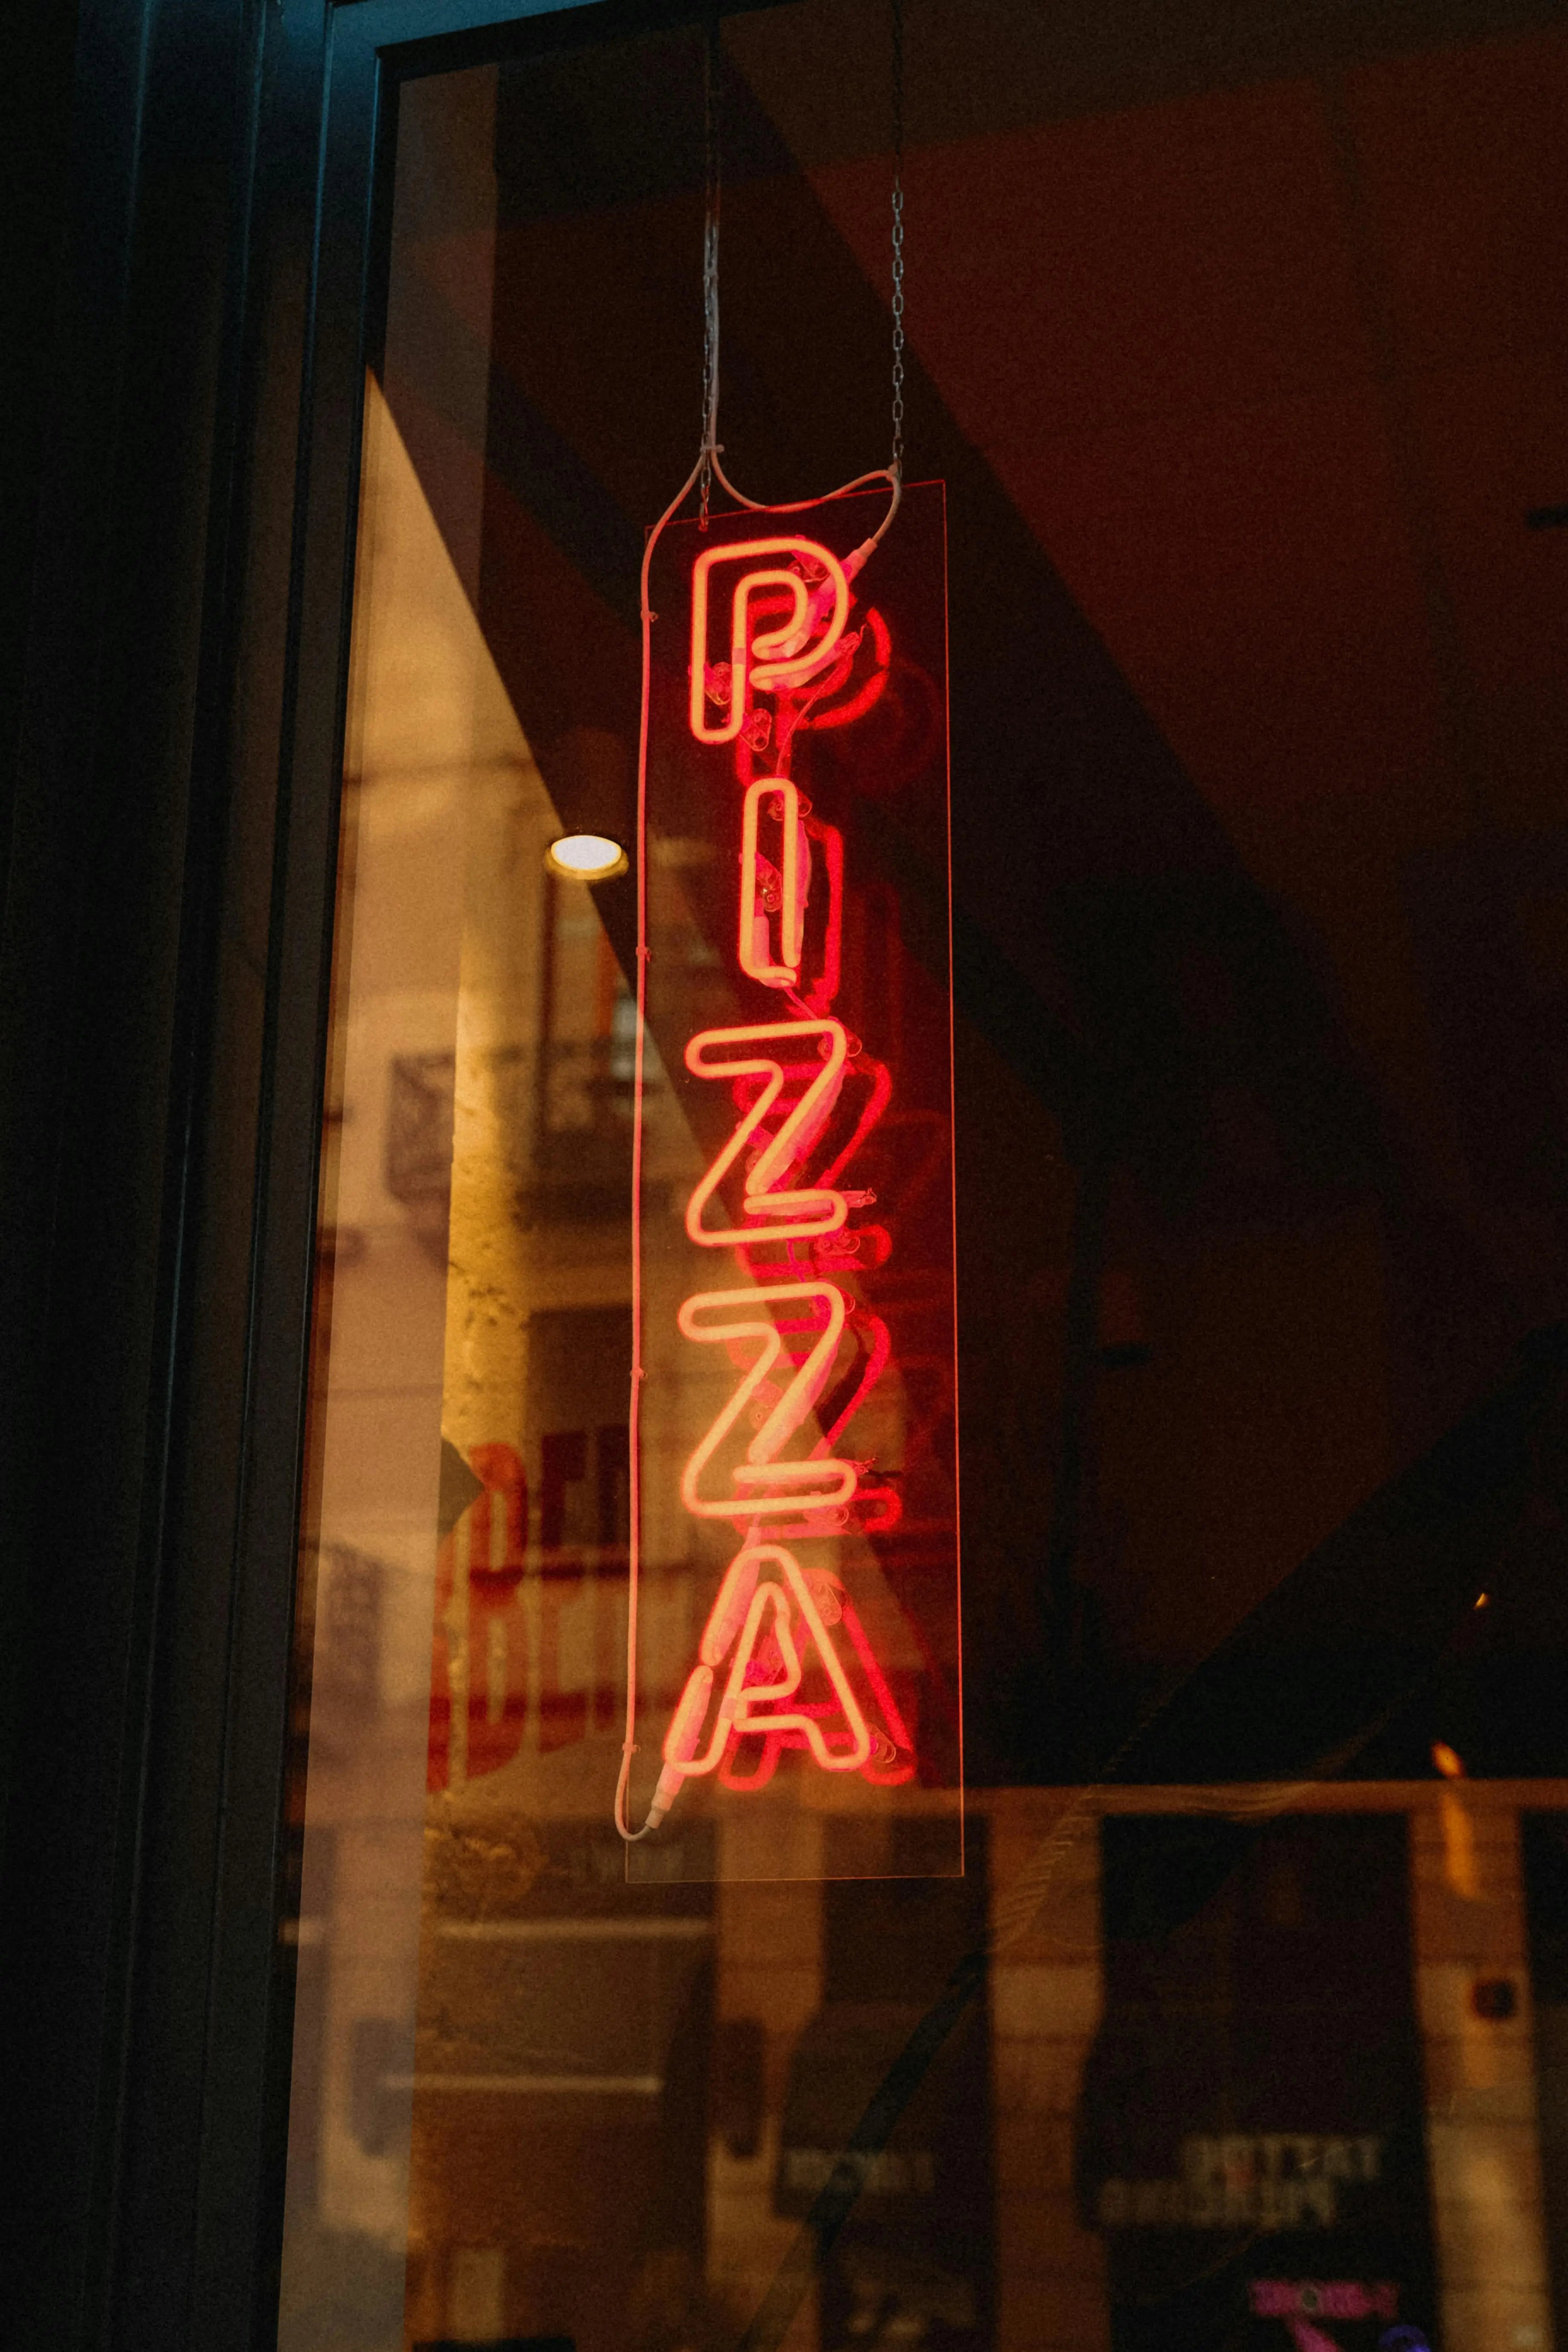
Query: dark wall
{"type": "Point", "coordinates": [35, 116]}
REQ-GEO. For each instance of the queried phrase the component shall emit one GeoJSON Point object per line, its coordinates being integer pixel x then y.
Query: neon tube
{"type": "Point", "coordinates": [879, 1348]}
{"type": "Point", "coordinates": [817, 1211]}
{"type": "Point", "coordinates": [767, 1462]}
{"type": "Point", "coordinates": [760, 1470]}
{"type": "Point", "coordinates": [778, 657]}
{"type": "Point", "coordinates": [741, 1709]}
{"type": "Point", "coordinates": [786, 972]}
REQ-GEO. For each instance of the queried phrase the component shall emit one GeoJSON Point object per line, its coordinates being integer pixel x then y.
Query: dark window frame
{"type": "Point", "coordinates": [167, 950]}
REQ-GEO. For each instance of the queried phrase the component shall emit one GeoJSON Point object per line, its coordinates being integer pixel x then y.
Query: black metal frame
{"type": "Point", "coordinates": [165, 968]}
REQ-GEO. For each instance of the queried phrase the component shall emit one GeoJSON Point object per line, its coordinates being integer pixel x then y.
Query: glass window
{"type": "Point", "coordinates": [1103, 907]}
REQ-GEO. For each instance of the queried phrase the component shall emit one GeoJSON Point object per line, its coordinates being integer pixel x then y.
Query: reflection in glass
{"type": "Point", "coordinates": [1240, 2025]}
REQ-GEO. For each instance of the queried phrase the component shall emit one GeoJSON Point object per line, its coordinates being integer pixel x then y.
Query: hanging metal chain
{"type": "Point", "coordinates": [710, 196]}
{"type": "Point", "coordinates": [897, 460]}
{"type": "Point", "coordinates": [707, 469]}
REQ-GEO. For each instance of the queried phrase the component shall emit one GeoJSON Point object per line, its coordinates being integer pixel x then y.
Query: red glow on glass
{"type": "Point", "coordinates": [825, 988]}
{"type": "Point", "coordinates": [879, 1348]}
{"type": "Point", "coordinates": [789, 884]}
{"type": "Point", "coordinates": [792, 1482]}
{"type": "Point", "coordinates": [902, 1765]}
{"type": "Point", "coordinates": [482, 1563]}
{"type": "Point", "coordinates": [881, 1096]}
{"type": "Point", "coordinates": [756, 1619]}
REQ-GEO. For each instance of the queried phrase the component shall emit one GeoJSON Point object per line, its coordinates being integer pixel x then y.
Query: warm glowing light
{"type": "Point", "coordinates": [785, 1662]}
{"type": "Point", "coordinates": [586, 858]}
{"type": "Point", "coordinates": [792, 1216]}
{"type": "Point", "coordinates": [745, 1318]}
{"type": "Point", "coordinates": [888, 1776]}
{"type": "Point", "coordinates": [1448, 1763]}
{"type": "Point", "coordinates": [840, 714]}
{"type": "Point", "coordinates": [742, 1711]}
{"type": "Point", "coordinates": [793, 884]}
{"type": "Point", "coordinates": [776, 658]}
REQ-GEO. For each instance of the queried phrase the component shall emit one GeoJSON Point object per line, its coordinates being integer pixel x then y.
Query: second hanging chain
{"type": "Point", "coordinates": [708, 468]}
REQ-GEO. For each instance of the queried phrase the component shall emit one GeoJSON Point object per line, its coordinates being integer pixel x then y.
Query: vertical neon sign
{"type": "Point", "coordinates": [795, 1518]}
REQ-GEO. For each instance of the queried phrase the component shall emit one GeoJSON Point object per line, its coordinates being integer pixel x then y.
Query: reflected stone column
{"type": "Point", "coordinates": [1474, 2001]}
{"type": "Point", "coordinates": [769, 1947]}
{"type": "Point", "coordinates": [1047, 1995]}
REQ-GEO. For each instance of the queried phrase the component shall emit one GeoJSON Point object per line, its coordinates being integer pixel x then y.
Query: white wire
{"type": "Point", "coordinates": [633, 1417]}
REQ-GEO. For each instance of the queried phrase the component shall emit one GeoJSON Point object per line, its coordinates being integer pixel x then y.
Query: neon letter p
{"type": "Point", "coordinates": [784, 655]}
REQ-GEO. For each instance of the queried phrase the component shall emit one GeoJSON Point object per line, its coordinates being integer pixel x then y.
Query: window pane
{"type": "Point", "coordinates": [1204, 1994]}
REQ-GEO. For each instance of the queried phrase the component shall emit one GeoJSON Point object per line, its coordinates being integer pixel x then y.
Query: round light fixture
{"type": "Point", "coordinates": [586, 858]}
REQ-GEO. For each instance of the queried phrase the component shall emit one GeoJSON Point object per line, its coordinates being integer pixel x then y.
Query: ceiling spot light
{"type": "Point", "coordinates": [586, 858]}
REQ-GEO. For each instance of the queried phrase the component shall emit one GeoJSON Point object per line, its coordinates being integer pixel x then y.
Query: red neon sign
{"type": "Point", "coordinates": [792, 1215]}
{"type": "Point", "coordinates": [794, 781]}
{"type": "Point", "coordinates": [770, 660]}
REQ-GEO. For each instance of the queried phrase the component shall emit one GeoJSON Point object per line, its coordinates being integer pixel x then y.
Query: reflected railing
{"type": "Point", "coordinates": [565, 1110]}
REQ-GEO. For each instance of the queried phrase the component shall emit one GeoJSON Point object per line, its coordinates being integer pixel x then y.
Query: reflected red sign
{"type": "Point", "coordinates": [796, 1449]}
